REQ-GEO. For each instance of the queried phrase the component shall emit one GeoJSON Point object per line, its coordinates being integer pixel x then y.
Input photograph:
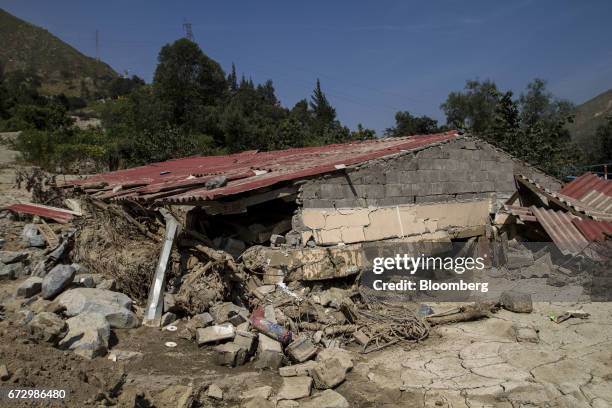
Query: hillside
{"type": "Point", "coordinates": [589, 116]}
{"type": "Point", "coordinates": [60, 67]}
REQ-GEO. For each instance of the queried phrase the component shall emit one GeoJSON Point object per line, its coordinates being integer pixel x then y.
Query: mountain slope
{"type": "Point", "coordinates": [588, 117]}
{"type": "Point", "coordinates": [60, 67]}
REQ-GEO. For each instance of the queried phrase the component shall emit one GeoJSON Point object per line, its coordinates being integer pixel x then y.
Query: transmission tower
{"type": "Point", "coordinates": [97, 45]}
{"type": "Point", "coordinates": [188, 31]}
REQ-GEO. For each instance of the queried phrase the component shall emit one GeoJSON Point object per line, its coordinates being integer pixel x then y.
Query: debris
{"type": "Point", "coordinates": [53, 213]}
{"type": "Point", "coordinates": [48, 234]}
{"type": "Point", "coordinates": [167, 318]}
{"type": "Point", "coordinates": [114, 306]}
{"type": "Point", "coordinates": [326, 399]}
{"type": "Point", "coordinates": [170, 344]}
{"type": "Point", "coordinates": [301, 350]}
{"type": "Point", "coordinates": [328, 374]}
{"type": "Point", "coordinates": [215, 333]}
{"type": "Point", "coordinates": [569, 314]}
{"type": "Point", "coordinates": [47, 327]}
{"type": "Point", "coordinates": [228, 354]}
{"type": "Point", "coordinates": [361, 338]}
{"type": "Point", "coordinates": [277, 240]}
{"type": "Point", "coordinates": [214, 392]}
{"type": "Point", "coordinates": [459, 314]}
{"type": "Point", "coordinates": [295, 388]}
{"type": "Point", "coordinates": [517, 302]}
{"type": "Point", "coordinates": [344, 357]}
{"type": "Point", "coordinates": [273, 330]}
{"type": "Point", "coordinates": [425, 310]}
{"type": "Point", "coordinates": [297, 369]}
{"type": "Point", "coordinates": [526, 334]}
{"type": "Point", "coordinates": [87, 281]}
{"type": "Point", "coordinates": [201, 320]}
{"type": "Point", "coordinates": [7, 272]}
{"type": "Point", "coordinates": [269, 353]}
{"type": "Point", "coordinates": [123, 355]}
{"type": "Point", "coordinates": [259, 392]}
{"type": "Point", "coordinates": [88, 335]}
{"type": "Point", "coordinates": [9, 257]}
{"type": "Point", "coordinates": [171, 328]}
{"type": "Point", "coordinates": [4, 373]}
{"type": "Point", "coordinates": [107, 284]}
{"type": "Point", "coordinates": [246, 341]}
{"type": "Point", "coordinates": [37, 241]}
{"type": "Point", "coordinates": [59, 278]}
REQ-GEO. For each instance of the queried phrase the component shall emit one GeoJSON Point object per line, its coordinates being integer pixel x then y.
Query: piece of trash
{"type": "Point", "coordinates": [579, 314]}
{"type": "Point", "coordinates": [170, 344]}
{"type": "Point", "coordinates": [425, 310]}
{"type": "Point", "coordinates": [171, 328]}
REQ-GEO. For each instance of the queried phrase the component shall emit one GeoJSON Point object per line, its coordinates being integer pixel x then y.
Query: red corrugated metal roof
{"type": "Point", "coordinates": [182, 180]}
{"type": "Point", "coordinates": [593, 230]}
{"type": "Point", "coordinates": [558, 225]}
{"type": "Point", "coordinates": [585, 184]}
{"type": "Point", "coordinates": [57, 214]}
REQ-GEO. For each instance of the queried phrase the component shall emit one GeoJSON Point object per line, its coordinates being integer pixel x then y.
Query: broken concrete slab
{"type": "Point", "coordinates": [259, 392]}
{"type": "Point", "coordinates": [344, 357]}
{"type": "Point", "coordinates": [58, 279]}
{"type": "Point", "coordinates": [227, 311]}
{"type": "Point", "coordinates": [301, 349]}
{"type": "Point", "coordinates": [295, 388]}
{"type": "Point", "coordinates": [124, 355]}
{"type": "Point", "coordinates": [228, 354]}
{"type": "Point", "coordinates": [517, 302]}
{"type": "Point", "coordinates": [216, 333]}
{"type": "Point", "coordinates": [88, 335]}
{"type": "Point", "coordinates": [296, 370]}
{"type": "Point", "coordinates": [526, 334]}
{"type": "Point", "coordinates": [269, 353]}
{"type": "Point", "coordinates": [201, 320]}
{"type": "Point", "coordinates": [328, 374]}
{"type": "Point", "coordinates": [214, 392]}
{"type": "Point", "coordinates": [30, 287]}
{"type": "Point", "coordinates": [47, 327]}
{"type": "Point", "coordinates": [246, 340]}
{"type": "Point", "coordinates": [168, 318]}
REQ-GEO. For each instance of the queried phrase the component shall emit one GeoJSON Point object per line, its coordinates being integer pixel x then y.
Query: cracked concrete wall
{"type": "Point", "coordinates": [330, 226]}
{"type": "Point", "coordinates": [462, 169]}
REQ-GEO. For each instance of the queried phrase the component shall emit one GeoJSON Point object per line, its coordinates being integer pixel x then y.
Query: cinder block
{"type": "Point", "coordinates": [269, 353]}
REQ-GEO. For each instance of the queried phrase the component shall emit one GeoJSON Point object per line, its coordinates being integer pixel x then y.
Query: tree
{"type": "Point", "coordinates": [603, 139]}
{"type": "Point", "coordinates": [407, 125]}
{"type": "Point", "coordinates": [473, 109]}
{"type": "Point", "coordinates": [185, 77]}
{"type": "Point", "coordinates": [324, 113]}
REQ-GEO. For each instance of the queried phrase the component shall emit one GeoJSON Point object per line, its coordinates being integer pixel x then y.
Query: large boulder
{"type": "Point", "coordinates": [9, 257]}
{"type": "Point", "coordinates": [30, 287]}
{"type": "Point", "coordinates": [88, 335]}
{"type": "Point", "coordinates": [58, 279]}
{"type": "Point", "coordinates": [517, 302]}
{"type": "Point", "coordinates": [47, 327]}
{"type": "Point", "coordinates": [114, 306]}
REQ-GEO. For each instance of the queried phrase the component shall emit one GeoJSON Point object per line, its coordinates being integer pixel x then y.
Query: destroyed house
{"type": "Point", "coordinates": [342, 197]}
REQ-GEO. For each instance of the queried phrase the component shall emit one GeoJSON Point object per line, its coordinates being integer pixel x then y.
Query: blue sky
{"type": "Point", "coordinates": [373, 57]}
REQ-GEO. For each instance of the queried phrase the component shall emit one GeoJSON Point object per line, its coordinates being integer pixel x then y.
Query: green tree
{"type": "Point", "coordinates": [474, 108]}
{"type": "Point", "coordinates": [186, 78]}
{"type": "Point", "coordinates": [603, 138]}
{"type": "Point", "coordinates": [324, 113]}
{"type": "Point", "coordinates": [406, 125]}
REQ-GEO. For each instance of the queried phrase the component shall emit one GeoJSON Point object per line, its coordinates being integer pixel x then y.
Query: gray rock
{"type": "Point", "coordinates": [295, 388]}
{"type": "Point", "coordinates": [216, 182]}
{"type": "Point", "coordinates": [517, 302]}
{"type": "Point", "coordinates": [215, 392]}
{"type": "Point", "coordinates": [58, 279]}
{"type": "Point", "coordinates": [88, 335]}
{"type": "Point", "coordinates": [168, 318]}
{"type": "Point", "coordinates": [30, 287]}
{"type": "Point", "coordinates": [328, 374]}
{"type": "Point", "coordinates": [215, 333]}
{"type": "Point", "coordinates": [296, 370]}
{"type": "Point", "coordinates": [301, 349]}
{"type": "Point", "coordinates": [201, 320]}
{"type": "Point", "coordinates": [29, 232]}
{"type": "Point", "coordinates": [86, 281]}
{"type": "Point", "coordinates": [114, 306]}
{"type": "Point", "coordinates": [107, 284]}
{"type": "Point", "coordinates": [269, 353]}
{"type": "Point", "coordinates": [26, 317]}
{"type": "Point", "coordinates": [37, 241]}
{"type": "Point", "coordinates": [229, 354]}
{"type": "Point", "coordinates": [11, 271]}
{"type": "Point", "coordinates": [47, 327]}
{"type": "Point", "coordinates": [80, 269]}
{"type": "Point", "coordinates": [326, 399]}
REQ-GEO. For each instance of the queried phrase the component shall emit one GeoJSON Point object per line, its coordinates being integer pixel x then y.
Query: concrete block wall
{"type": "Point", "coordinates": [462, 169]}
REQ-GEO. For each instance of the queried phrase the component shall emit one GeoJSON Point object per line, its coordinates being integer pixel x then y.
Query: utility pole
{"type": "Point", "coordinates": [97, 45]}
{"type": "Point", "coordinates": [188, 31]}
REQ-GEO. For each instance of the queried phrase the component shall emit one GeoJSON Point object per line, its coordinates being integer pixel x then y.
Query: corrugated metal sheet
{"type": "Point", "coordinates": [585, 184]}
{"type": "Point", "coordinates": [183, 180]}
{"type": "Point", "coordinates": [523, 213]}
{"type": "Point", "coordinates": [559, 226]}
{"type": "Point", "coordinates": [57, 214]}
{"type": "Point", "coordinates": [593, 230]}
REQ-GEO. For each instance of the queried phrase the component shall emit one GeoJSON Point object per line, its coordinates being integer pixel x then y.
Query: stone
{"type": "Point", "coordinates": [37, 241]}
{"type": "Point", "coordinates": [201, 320]}
{"type": "Point", "coordinates": [47, 327]}
{"type": "Point", "coordinates": [343, 356]}
{"type": "Point", "coordinates": [266, 289]}
{"type": "Point", "coordinates": [361, 338]}
{"type": "Point", "coordinates": [317, 337]}
{"type": "Point", "coordinates": [26, 317]}
{"type": "Point", "coordinates": [229, 354]}
{"type": "Point", "coordinates": [297, 370]}
{"type": "Point", "coordinates": [259, 392]}
{"type": "Point", "coordinates": [222, 312]}
{"type": "Point", "coordinates": [270, 313]}
{"type": "Point", "coordinates": [29, 231]}
{"type": "Point", "coordinates": [80, 269]}
{"type": "Point", "coordinates": [213, 334]}
{"type": "Point", "coordinates": [85, 281]}
{"type": "Point", "coordinates": [30, 287]}
{"type": "Point", "coordinates": [517, 302]}
{"type": "Point", "coordinates": [11, 271]}
{"type": "Point", "coordinates": [276, 240]}
{"type": "Point", "coordinates": [107, 284]}
{"type": "Point", "coordinates": [246, 341]}
{"type": "Point", "coordinates": [88, 335]}
{"type": "Point", "coordinates": [258, 402]}
{"type": "Point", "coordinates": [123, 355]}
{"type": "Point", "coordinates": [175, 396]}
{"type": "Point", "coordinates": [4, 373]}
{"type": "Point", "coordinates": [168, 318]}
{"type": "Point", "coordinates": [301, 349]}
{"type": "Point", "coordinates": [326, 399]}
{"type": "Point", "coordinates": [269, 353]}
{"type": "Point", "coordinates": [9, 257]}
{"type": "Point", "coordinates": [328, 374]}
{"type": "Point", "coordinates": [295, 388]}
{"type": "Point", "coordinates": [169, 303]}
{"type": "Point", "coordinates": [39, 305]}
{"type": "Point", "coordinates": [214, 392]}
{"type": "Point", "coordinates": [114, 306]}
{"type": "Point", "coordinates": [58, 279]}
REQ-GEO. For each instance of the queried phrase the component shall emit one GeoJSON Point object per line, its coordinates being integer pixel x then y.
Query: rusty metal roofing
{"type": "Point", "coordinates": [182, 181]}
{"type": "Point", "coordinates": [593, 230]}
{"type": "Point", "coordinates": [56, 214]}
{"type": "Point", "coordinates": [559, 226]}
{"type": "Point", "coordinates": [585, 184]}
